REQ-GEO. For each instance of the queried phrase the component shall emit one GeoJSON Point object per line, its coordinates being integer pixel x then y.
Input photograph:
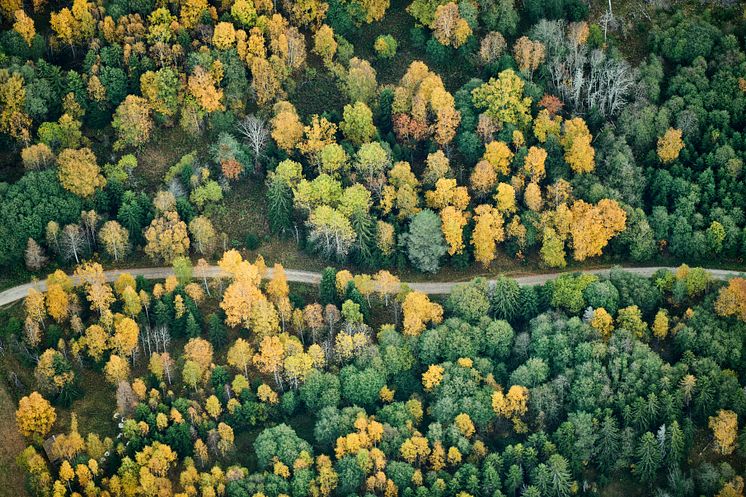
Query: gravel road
{"type": "Point", "coordinates": [299, 276]}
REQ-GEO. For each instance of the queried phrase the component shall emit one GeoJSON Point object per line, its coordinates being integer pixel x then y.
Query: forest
{"type": "Point", "coordinates": [229, 145]}
{"type": "Point", "coordinates": [586, 385]}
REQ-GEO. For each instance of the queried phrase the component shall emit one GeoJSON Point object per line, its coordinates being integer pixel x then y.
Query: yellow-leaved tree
{"type": "Point", "coordinates": [670, 145]}
{"type": "Point", "coordinates": [488, 232]}
{"type": "Point", "coordinates": [79, 172]}
{"type": "Point", "coordinates": [418, 311]}
{"type": "Point", "coordinates": [35, 416]}
{"type": "Point", "coordinates": [724, 428]}
{"type": "Point", "coordinates": [576, 141]}
{"type": "Point", "coordinates": [593, 226]}
{"type": "Point", "coordinates": [512, 405]}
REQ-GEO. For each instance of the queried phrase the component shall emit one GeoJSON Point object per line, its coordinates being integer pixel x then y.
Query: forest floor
{"type": "Point", "coordinates": [11, 477]}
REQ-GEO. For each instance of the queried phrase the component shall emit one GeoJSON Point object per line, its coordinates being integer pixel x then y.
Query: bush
{"type": "Point", "coordinates": [252, 241]}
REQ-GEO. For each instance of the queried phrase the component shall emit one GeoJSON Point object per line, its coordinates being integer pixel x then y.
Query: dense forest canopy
{"type": "Point", "coordinates": [418, 135]}
{"type": "Point", "coordinates": [386, 137]}
{"type": "Point", "coordinates": [585, 385]}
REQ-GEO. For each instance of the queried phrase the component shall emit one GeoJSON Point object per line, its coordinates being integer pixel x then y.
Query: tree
{"type": "Point", "coordinates": [593, 226]}
{"type": "Point", "coordinates": [24, 26]}
{"type": "Point", "coordinates": [167, 237]}
{"type": "Point", "coordinates": [78, 172]}
{"type": "Point", "coordinates": [502, 99]}
{"type": "Point", "coordinates": [648, 458]}
{"type": "Point", "coordinates": [125, 338]}
{"type": "Point", "coordinates": [117, 369]}
{"type": "Point", "coordinates": [483, 179]}
{"type": "Point", "coordinates": [287, 129]}
{"type": "Point", "coordinates": [324, 44]}
{"type": "Point", "coordinates": [280, 442]}
{"type": "Point", "coordinates": [224, 36]}
{"type": "Point", "coordinates": [453, 222]}
{"type": "Point", "coordinates": [58, 302]}
{"type": "Point", "coordinates": [425, 243]}
{"type": "Point", "coordinates": [435, 114]}
{"type": "Point", "coordinates": [204, 87]}
{"type": "Point", "coordinates": [418, 311]}
{"type": "Point", "coordinates": [360, 84]}
{"type": "Point", "coordinates": [163, 90]}
{"type": "Point", "coordinates": [73, 26]}
{"type": "Point", "coordinates": [438, 166]}
{"type": "Point", "coordinates": [724, 428]}
{"type": "Point", "coordinates": [357, 124]}
{"type": "Point", "coordinates": [660, 324]}
{"type": "Point", "coordinates": [670, 145]}
{"type": "Point", "coordinates": [255, 132]}
{"type": "Point", "coordinates": [199, 351]}
{"type": "Point", "coordinates": [385, 46]}
{"type": "Point", "coordinates": [491, 47]}
{"type": "Point", "coordinates": [528, 54]}
{"type": "Point", "coordinates": [533, 164]}
{"type": "Point", "coordinates": [203, 234]}
{"type": "Point", "coordinates": [602, 322]}
{"type": "Point", "coordinates": [240, 355]}
{"type": "Point", "coordinates": [505, 199]}
{"type": "Point", "coordinates": [731, 299]}
{"type": "Point", "coordinates": [72, 241]}
{"type": "Point", "coordinates": [331, 232]}
{"type": "Point", "coordinates": [576, 140]}
{"type": "Point", "coordinates": [449, 28]}
{"type": "Point", "coordinates": [96, 339]}
{"type": "Point", "coordinates": [132, 122]}
{"type": "Point", "coordinates": [115, 239]}
{"type": "Point", "coordinates": [35, 416]}
{"type": "Point", "coordinates": [34, 256]}
{"type": "Point", "coordinates": [265, 83]}
{"type": "Point", "coordinates": [512, 405]}
{"type": "Point", "coordinates": [37, 156]}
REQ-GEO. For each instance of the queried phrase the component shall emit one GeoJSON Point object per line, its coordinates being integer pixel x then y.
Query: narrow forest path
{"type": "Point", "coordinates": [300, 276]}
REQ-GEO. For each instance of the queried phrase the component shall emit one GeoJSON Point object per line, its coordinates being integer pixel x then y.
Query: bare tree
{"type": "Point", "coordinates": [89, 220]}
{"type": "Point", "coordinates": [72, 240]}
{"type": "Point", "coordinates": [255, 132]}
{"type": "Point", "coordinates": [35, 258]}
{"type": "Point", "coordinates": [585, 80]}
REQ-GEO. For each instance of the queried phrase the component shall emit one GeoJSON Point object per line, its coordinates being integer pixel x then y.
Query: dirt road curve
{"type": "Point", "coordinates": [299, 276]}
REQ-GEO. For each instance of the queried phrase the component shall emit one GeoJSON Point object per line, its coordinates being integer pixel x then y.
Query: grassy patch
{"type": "Point", "coordinates": [244, 212]}
{"type": "Point", "coordinates": [164, 149]}
{"type": "Point", "coordinates": [93, 408]}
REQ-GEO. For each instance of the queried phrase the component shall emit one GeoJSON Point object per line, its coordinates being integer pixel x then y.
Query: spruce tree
{"type": "Point", "coordinates": [279, 206]}
{"type": "Point", "coordinates": [216, 331]}
{"type": "Point", "coordinates": [648, 458]}
{"type": "Point", "coordinates": [328, 287]}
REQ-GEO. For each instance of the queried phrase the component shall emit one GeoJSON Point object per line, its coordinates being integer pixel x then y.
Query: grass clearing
{"type": "Point", "coordinates": [166, 147]}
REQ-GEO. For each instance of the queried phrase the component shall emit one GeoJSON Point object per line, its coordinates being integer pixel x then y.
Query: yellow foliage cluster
{"type": "Point", "coordinates": [418, 311]}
